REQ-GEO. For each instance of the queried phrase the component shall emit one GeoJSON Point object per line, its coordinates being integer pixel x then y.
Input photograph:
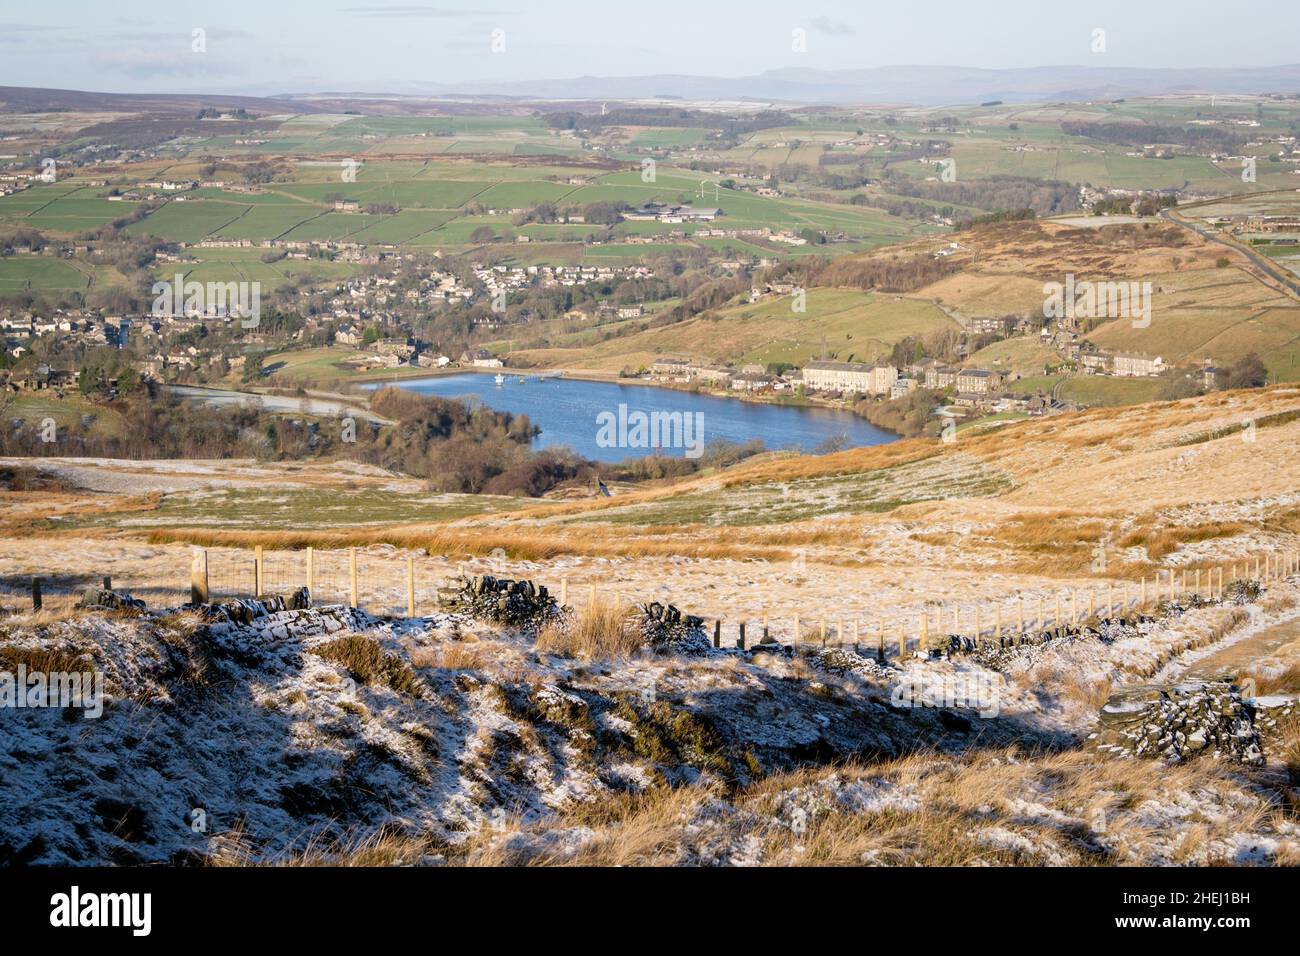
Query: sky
{"type": "Point", "coordinates": [292, 46]}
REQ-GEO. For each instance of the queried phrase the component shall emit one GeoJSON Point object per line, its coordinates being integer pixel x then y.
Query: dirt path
{"type": "Point", "coordinates": [1234, 658]}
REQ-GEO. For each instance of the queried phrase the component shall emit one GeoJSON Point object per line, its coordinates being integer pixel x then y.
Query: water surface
{"type": "Point", "coordinates": [568, 412]}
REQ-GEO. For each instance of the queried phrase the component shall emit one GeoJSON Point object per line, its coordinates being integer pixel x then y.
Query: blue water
{"type": "Point", "coordinates": [567, 410]}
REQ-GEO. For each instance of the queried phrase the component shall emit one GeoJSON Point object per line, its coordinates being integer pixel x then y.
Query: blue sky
{"type": "Point", "coordinates": [267, 46]}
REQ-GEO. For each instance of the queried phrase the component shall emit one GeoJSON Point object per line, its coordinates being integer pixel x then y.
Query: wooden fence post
{"type": "Point", "coordinates": [36, 594]}
{"type": "Point", "coordinates": [410, 585]}
{"type": "Point", "coordinates": [199, 577]}
{"type": "Point", "coordinates": [766, 630]}
{"type": "Point", "coordinates": [108, 582]}
{"type": "Point", "coordinates": [352, 570]}
{"type": "Point", "coordinates": [823, 632]}
{"type": "Point", "coordinates": [311, 573]}
{"type": "Point", "coordinates": [564, 590]}
{"type": "Point", "coordinates": [259, 572]}
{"type": "Point", "coordinates": [717, 633]}
{"type": "Point", "coordinates": [741, 645]}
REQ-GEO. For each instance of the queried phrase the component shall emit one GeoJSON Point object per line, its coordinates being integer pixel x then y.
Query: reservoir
{"type": "Point", "coordinates": [586, 416]}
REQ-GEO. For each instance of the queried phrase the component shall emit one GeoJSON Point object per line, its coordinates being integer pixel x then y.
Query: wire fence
{"type": "Point", "coordinates": [407, 584]}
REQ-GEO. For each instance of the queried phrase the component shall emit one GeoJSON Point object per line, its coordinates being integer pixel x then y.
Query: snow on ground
{"type": "Point", "coordinates": [274, 739]}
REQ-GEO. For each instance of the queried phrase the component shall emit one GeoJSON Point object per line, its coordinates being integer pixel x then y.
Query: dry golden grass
{"type": "Point", "coordinates": [998, 808]}
{"type": "Point", "coordinates": [529, 546]}
{"type": "Point", "coordinates": [46, 660]}
{"type": "Point", "coordinates": [603, 630]}
{"type": "Point", "coordinates": [1287, 682]}
{"type": "Point", "coordinates": [456, 656]}
{"type": "Point", "coordinates": [366, 661]}
{"type": "Point", "coordinates": [1067, 683]}
{"type": "Point", "coordinates": [1289, 751]}
{"type": "Point", "coordinates": [1162, 540]}
{"type": "Point", "coordinates": [382, 847]}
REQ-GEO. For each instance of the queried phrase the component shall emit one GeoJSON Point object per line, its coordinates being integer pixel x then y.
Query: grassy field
{"type": "Point", "coordinates": [39, 274]}
{"type": "Point", "coordinates": [1200, 308]}
{"type": "Point", "coordinates": [776, 503]}
{"type": "Point", "coordinates": [224, 265]}
{"type": "Point", "coordinates": [292, 508]}
{"type": "Point", "coordinates": [435, 207]}
{"type": "Point", "coordinates": [1104, 391]}
{"type": "Point", "coordinates": [67, 412]}
{"type": "Point", "coordinates": [849, 325]}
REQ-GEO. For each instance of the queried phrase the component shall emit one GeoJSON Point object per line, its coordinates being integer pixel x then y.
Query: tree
{"type": "Point", "coordinates": [1248, 371]}
{"type": "Point", "coordinates": [252, 367]}
{"type": "Point", "coordinates": [1175, 385]}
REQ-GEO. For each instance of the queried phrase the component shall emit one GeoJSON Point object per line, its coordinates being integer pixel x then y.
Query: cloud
{"type": "Point", "coordinates": [406, 11]}
{"type": "Point", "coordinates": [19, 32]}
{"type": "Point", "coordinates": [832, 28]}
{"type": "Point", "coordinates": [147, 64]}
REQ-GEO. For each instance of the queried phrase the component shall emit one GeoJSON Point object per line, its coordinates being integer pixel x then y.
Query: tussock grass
{"type": "Point", "coordinates": [603, 630]}
{"type": "Point", "coordinates": [994, 808]}
{"type": "Point", "coordinates": [1289, 750]}
{"type": "Point", "coordinates": [382, 847]}
{"type": "Point", "coordinates": [528, 546]}
{"type": "Point", "coordinates": [1162, 540]}
{"type": "Point", "coordinates": [366, 662]}
{"type": "Point", "coordinates": [45, 660]}
{"type": "Point", "coordinates": [457, 656]}
{"type": "Point", "coordinates": [1287, 682]}
{"type": "Point", "coordinates": [1070, 538]}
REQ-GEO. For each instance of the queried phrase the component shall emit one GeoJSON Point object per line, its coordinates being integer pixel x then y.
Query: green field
{"type": "Point", "coordinates": [436, 211]}
{"type": "Point", "coordinates": [39, 274]}
{"type": "Point", "coordinates": [1106, 391]}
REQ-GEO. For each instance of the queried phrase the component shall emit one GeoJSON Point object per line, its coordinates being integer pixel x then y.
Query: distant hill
{"type": "Point", "coordinates": [900, 85]}
{"type": "Point", "coordinates": [907, 85]}
{"type": "Point", "coordinates": [20, 99]}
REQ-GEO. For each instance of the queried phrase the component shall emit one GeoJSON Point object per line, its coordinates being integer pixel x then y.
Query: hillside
{"type": "Point", "coordinates": [1088, 500]}
{"type": "Point", "coordinates": [461, 736]}
{"type": "Point", "coordinates": [1208, 302]}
